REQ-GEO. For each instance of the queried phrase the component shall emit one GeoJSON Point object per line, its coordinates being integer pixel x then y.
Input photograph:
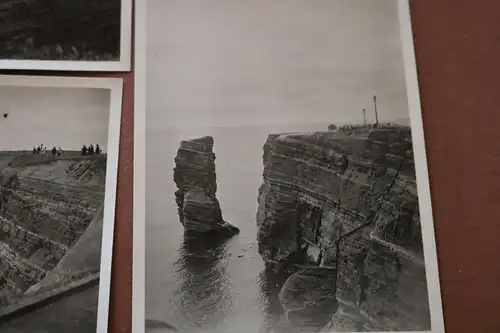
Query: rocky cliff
{"type": "Point", "coordinates": [341, 207]}
{"type": "Point", "coordinates": [194, 175]}
{"type": "Point", "coordinates": [47, 213]}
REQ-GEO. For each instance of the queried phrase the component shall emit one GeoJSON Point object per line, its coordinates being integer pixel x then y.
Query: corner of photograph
{"type": "Point", "coordinates": [59, 35]}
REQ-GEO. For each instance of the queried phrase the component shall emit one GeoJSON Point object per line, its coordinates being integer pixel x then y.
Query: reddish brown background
{"type": "Point", "coordinates": [458, 58]}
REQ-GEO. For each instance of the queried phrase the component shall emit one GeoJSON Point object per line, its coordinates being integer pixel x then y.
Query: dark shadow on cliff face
{"type": "Point", "coordinates": [270, 283]}
{"type": "Point", "coordinates": [205, 288]}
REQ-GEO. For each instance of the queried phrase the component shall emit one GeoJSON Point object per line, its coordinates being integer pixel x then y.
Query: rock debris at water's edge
{"type": "Point", "coordinates": [194, 174]}
{"type": "Point", "coordinates": [348, 192]}
{"type": "Point", "coordinates": [160, 324]}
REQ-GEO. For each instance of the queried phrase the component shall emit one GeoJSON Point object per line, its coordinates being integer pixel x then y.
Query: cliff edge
{"type": "Point", "coordinates": [344, 202]}
{"type": "Point", "coordinates": [194, 174]}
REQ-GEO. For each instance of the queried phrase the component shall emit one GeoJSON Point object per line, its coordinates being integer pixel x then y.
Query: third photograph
{"type": "Point", "coordinates": [285, 170]}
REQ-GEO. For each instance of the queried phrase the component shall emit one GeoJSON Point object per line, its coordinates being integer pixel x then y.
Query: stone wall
{"type": "Point", "coordinates": [345, 200]}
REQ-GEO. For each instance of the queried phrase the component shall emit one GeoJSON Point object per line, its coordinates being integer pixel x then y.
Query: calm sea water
{"type": "Point", "coordinates": [209, 285]}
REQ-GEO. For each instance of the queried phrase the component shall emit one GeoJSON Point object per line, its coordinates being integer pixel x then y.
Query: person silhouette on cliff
{"type": "Point", "coordinates": [91, 150]}
{"type": "Point", "coordinates": [54, 151]}
{"type": "Point", "coordinates": [97, 149]}
{"type": "Point", "coordinates": [84, 150]}
{"type": "Point", "coordinates": [34, 150]}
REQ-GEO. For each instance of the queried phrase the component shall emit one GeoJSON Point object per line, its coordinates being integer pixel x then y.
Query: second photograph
{"type": "Point", "coordinates": [59, 143]}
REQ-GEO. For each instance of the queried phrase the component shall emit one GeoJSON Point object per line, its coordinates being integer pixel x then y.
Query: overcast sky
{"type": "Point", "coordinates": [69, 117]}
{"type": "Point", "coordinates": [234, 62]}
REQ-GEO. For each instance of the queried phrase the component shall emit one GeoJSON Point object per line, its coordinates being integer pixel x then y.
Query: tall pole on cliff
{"type": "Point", "coordinates": [375, 105]}
{"type": "Point", "coordinates": [364, 117]}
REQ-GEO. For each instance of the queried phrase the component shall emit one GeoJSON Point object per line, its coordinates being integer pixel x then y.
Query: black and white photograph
{"type": "Point", "coordinates": [76, 35]}
{"type": "Point", "coordinates": [286, 185]}
{"type": "Point", "coordinates": [58, 163]}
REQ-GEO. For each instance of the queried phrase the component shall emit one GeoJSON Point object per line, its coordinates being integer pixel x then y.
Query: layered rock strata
{"type": "Point", "coordinates": [345, 201]}
{"type": "Point", "coordinates": [47, 213]}
{"type": "Point", "coordinates": [194, 174]}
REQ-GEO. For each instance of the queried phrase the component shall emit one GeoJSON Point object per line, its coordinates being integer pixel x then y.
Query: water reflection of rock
{"type": "Point", "coordinates": [205, 288]}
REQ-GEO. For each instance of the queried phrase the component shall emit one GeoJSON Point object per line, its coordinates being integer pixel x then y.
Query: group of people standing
{"type": "Point", "coordinates": [57, 151]}
{"type": "Point", "coordinates": [42, 150]}
{"type": "Point", "coordinates": [90, 150]}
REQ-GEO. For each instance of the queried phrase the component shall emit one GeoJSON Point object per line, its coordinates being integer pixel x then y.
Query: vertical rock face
{"type": "Point", "coordinates": [194, 175]}
{"type": "Point", "coordinates": [345, 200]}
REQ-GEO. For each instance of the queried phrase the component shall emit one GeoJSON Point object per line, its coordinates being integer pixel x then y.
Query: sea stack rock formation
{"type": "Point", "coordinates": [194, 175]}
{"type": "Point", "coordinates": [344, 202]}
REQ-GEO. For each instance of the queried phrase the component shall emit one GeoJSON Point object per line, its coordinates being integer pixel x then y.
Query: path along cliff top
{"type": "Point", "coordinates": [70, 168]}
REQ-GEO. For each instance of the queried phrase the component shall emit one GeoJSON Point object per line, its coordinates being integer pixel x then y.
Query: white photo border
{"type": "Point", "coordinates": [115, 85]}
{"type": "Point", "coordinates": [139, 196]}
{"type": "Point", "coordinates": [422, 175]}
{"type": "Point", "coordinates": [124, 64]}
{"type": "Point", "coordinates": [421, 170]}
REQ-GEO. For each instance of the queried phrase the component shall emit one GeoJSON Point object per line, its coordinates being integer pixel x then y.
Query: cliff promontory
{"type": "Point", "coordinates": [194, 175]}
{"type": "Point", "coordinates": [50, 206]}
{"type": "Point", "coordinates": [343, 203]}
